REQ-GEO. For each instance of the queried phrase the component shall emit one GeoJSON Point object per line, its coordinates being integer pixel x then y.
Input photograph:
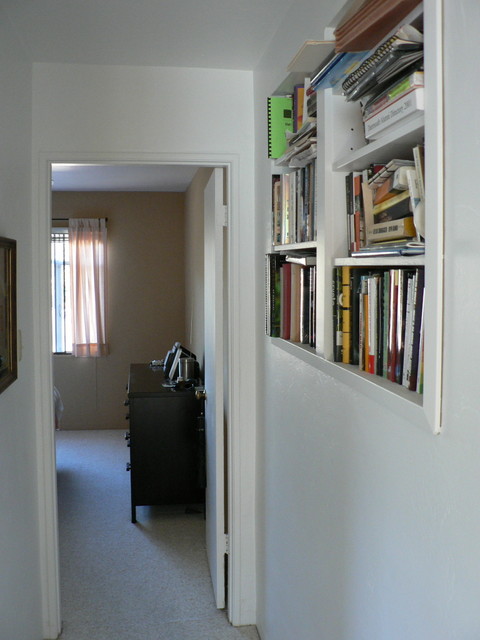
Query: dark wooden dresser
{"type": "Point", "coordinates": [166, 441]}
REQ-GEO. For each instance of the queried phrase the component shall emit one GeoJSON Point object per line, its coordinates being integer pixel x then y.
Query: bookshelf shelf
{"type": "Point", "coordinates": [342, 149]}
{"type": "Point", "coordinates": [393, 144]}
{"type": "Point", "coordinates": [296, 246]}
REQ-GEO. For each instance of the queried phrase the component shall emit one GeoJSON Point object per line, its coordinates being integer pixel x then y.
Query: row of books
{"type": "Point", "coordinates": [384, 207]}
{"type": "Point", "coordinates": [378, 322]}
{"type": "Point", "coordinates": [294, 205]}
{"type": "Point", "coordinates": [290, 306]}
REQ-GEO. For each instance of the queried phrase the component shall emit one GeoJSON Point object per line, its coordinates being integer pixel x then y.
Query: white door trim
{"type": "Point", "coordinates": [242, 385]}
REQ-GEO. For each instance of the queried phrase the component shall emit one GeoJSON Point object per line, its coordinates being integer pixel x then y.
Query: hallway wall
{"type": "Point", "coordinates": [368, 524]}
{"type": "Point", "coordinates": [19, 523]}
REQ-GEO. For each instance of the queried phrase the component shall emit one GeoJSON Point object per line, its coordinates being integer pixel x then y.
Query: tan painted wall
{"type": "Point", "coordinates": [146, 294]}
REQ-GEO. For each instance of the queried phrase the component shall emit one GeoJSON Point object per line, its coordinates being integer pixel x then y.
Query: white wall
{"type": "Point", "coordinates": [369, 526]}
{"type": "Point", "coordinates": [154, 114]}
{"type": "Point", "coordinates": [20, 605]}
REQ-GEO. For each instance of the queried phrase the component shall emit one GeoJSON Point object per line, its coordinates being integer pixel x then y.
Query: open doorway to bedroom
{"type": "Point", "coordinates": [155, 295]}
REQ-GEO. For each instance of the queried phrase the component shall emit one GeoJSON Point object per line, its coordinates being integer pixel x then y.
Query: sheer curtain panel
{"type": "Point", "coordinates": [88, 260]}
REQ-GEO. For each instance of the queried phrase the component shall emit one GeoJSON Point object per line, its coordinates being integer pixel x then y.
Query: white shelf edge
{"type": "Point", "coordinates": [398, 400]}
{"type": "Point", "coordinates": [295, 246]}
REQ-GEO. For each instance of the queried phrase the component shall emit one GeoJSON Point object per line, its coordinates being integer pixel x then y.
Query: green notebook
{"type": "Point", "coordinates": [280, 120]}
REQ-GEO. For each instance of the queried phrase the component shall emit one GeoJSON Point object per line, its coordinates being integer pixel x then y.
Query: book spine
{"type": "Point", "coordinates": [394, 230]}
{"type": "Point", "coordinates": [393, 209]}
{"type": "Point", "coordinates": [346, 317]}
{"type": "Point", "coordinates": [337, 314]}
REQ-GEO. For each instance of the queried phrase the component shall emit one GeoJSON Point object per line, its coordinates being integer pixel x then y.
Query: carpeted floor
{"type": "Point", "coordinates": [121, 581]}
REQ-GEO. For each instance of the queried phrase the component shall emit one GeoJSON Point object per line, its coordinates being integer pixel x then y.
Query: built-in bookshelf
{"type": "Point", "coordinates": [326, 250]}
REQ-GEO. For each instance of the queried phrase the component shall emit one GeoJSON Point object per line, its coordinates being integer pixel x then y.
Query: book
{"type": "Point", "coordinates": [394, 91]}
{"type": "Point", "coordinates": [393, 185]}
{"type": "Point", "coordinates": [305, 305]}
{"type": "Point", "coordinates": [392, 324]}
{"type": "Point", "coordinates": [393, 230]}
{"type": "Point", "coordinates": [310, 54]}
{"type": "Point", "coordinates": [370, 23]}
{"type": "Point", "coordinates": [273, 262]}
{"type": "Point", "coordinates": [394, 208]}
{"type": "Point", "coordinates": [337, 314]}
{"type": "Point", "coordinates": [411, 378]}
{"type": "Point", "coordinates": [412, 282]}
{"type": "Point", "coordinates": [276, 209]}
{"type": "Point", "coordinates": [334, 69]}
{"type": "Point", "coordinates": [390, 249]}
{"type": "Point", "coordinates": [280, 120]}
{"type": "Point", "coordinates": [358, 212]}
{"type": "Point", "coordinates": [305, 260]}
{"type": "Point", "coordinates": [298, 100]}
{"type": "Point", "coordinates": [346, 307]}
{"type": "Point", "coordinates": [408, 105]}
{"type": "Point", "coordinates": [387, 170]}
{"type": "Point", "coordinates": [419, 163]}
{"type": "Point", "coordinates": [392, 57]}
{"type": "Point", "coordinates": [313, 305]}
{"type": "Point", "coordinates": [295, 293]}
{"type": "Point", "coordinates": [286, 304]}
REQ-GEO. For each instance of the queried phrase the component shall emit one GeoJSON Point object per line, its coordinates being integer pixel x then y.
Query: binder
{"type": "Point", "coordinates": [280, 120]}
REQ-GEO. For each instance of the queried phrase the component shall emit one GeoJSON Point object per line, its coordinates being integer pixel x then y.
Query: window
{"type": "Point", "coordinates": [61, 287]}
{"type": "Point", "coordinates": [79, 268]}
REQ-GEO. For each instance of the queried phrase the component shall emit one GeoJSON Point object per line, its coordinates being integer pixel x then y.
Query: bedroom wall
{"type": "Point", "coordinates": [146, 299]}
{"type": "Point", "coordinates": [368, 525]}
{"type": "Point", "coordinates": [19, 523]}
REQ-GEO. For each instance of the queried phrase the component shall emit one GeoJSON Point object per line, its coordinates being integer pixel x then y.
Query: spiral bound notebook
{"type": "Point", "coordinates": [280, 120]}
{"type": "Point", "coordinates": [393, 56]}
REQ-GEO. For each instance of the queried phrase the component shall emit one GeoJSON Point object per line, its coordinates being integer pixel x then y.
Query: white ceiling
{"type": "Point", "coordinates": [221, 34]}
{"type": "Point", "coordinates": [121, 177]}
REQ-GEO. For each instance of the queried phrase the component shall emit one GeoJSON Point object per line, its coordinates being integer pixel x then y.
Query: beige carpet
{"type": "Point", "coordinates": [121, 581]}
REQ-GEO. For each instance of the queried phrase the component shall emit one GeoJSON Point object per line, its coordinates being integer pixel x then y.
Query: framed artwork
{"type": "Point", "coordinates": [8, 312]}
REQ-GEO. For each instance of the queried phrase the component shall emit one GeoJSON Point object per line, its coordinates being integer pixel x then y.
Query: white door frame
{"type": "Point", "coordinates": [242, 415]}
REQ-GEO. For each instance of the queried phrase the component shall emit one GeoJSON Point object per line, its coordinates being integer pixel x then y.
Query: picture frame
{"type": "Point", "coordinates": [8, 312]}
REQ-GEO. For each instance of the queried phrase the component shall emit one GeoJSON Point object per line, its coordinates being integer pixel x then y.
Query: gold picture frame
{"type": "Point", "coordinates": [8, 312]}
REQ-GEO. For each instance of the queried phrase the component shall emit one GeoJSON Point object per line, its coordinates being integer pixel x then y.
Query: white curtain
{"type": "Point", "coordinates": [88, 270]}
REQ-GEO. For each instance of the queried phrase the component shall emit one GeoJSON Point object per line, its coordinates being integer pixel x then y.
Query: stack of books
{"type": "Point", "coordinates": [383, 205]}
{"type": "Point", "coordinates": [401, 100]}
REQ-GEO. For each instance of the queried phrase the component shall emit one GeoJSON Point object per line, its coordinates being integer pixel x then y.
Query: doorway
{"type": "Point", "coordinates": [237, 580]}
